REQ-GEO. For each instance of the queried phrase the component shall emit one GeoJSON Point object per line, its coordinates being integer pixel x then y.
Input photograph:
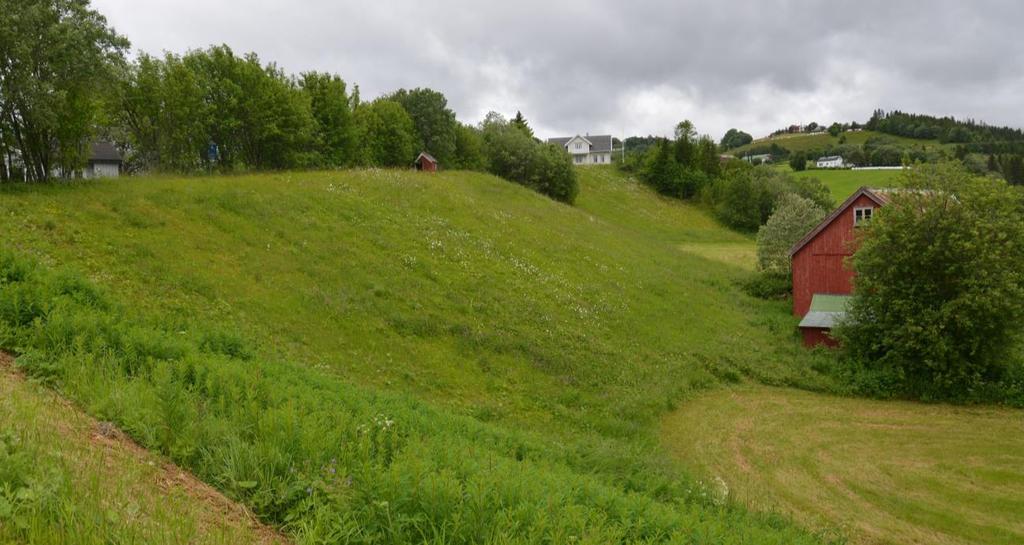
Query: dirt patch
{"type": "Point", "coordinates": [110, 442]}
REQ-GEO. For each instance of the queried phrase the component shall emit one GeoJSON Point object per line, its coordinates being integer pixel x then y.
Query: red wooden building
{"type": "Point", "coordinates": [426, 162]}
{"type": "Point", "coordinates": [819, 265]}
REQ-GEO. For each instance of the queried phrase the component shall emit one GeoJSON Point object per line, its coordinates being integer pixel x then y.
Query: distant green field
{"type": "Point", "coordinates": [886, 473]}
{"type": "Point", "coordinates": [804, 142]}
{"type": "Point", "coordinates": [842, 183]}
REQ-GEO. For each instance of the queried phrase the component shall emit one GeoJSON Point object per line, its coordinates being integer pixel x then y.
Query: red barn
{"type": "Point", "coordinates": [426, 162]}
{"type": "Point", "coordinates": [819, 267]}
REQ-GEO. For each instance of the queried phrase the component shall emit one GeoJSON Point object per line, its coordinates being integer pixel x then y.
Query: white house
{"type": "Point", "coordinates": [587, 150]}
{"type": "Point", "coordinates": [832, 161]}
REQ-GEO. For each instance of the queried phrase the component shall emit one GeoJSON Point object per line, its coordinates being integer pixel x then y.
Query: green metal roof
{"type": "Point", "coordinates": [829, 303]}
{"type": "Point", "coordinates": [826, 311]}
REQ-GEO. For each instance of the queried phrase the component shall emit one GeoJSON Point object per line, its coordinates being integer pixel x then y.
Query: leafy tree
{"type": "Point", "coordinates": [798, 161]}
{"type": "Point", "coordinates": [334, 130]}
{"type": "Point", "coordinates": [469, 149]}
{"type": "Point", "coordinates": [663, 172]}
{"type": "Point", "coordinates": [835, 129]}
{"type": "Point", "coordinates": [685, 144]}
{"type": "Point", "coordinates": [386, 133]}
{"type": "Point", "coordinates": [735, 138]}
{"type": "Point", "coordinates": [516, 157]}
{"type": "Point", "coordinates": [707, 159]}
{"type": "Point", "coordinates": [940, 285]}
{"type": "Point", "coordinates": [434, 122]}
{"type": "Point", "coordinates": [519, 122]}
{"type": "Point", "coordinates": [793, 218]}
{"type": "Point", "coordinates": [57, 59]}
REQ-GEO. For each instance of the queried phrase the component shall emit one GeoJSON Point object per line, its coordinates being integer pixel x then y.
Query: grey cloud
{"type": "Point", "coordinates": [638, 67]}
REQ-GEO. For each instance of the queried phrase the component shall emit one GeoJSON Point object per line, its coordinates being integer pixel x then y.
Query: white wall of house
{"type": "Point", "coordinates": [830, 163]}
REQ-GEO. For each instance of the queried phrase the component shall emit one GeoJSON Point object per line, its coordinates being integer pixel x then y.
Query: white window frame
{"type": "Point", "coordinates": [862, 215]}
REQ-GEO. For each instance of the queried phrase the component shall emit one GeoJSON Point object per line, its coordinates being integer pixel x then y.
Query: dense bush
{"type": "Point", "coordinates": [939, 287]}
{"type": "Point", "coordinates": [515, 156]}
{"type": "Point", "coordinates": [793, 218]}
{"type": "Point", "coordinates": [745, 196]}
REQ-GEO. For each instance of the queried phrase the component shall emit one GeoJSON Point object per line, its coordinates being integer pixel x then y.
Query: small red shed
{"type": "Point", "coordinates": [819, 258]}
{"type": "Point", "coordinates": [426, 162]}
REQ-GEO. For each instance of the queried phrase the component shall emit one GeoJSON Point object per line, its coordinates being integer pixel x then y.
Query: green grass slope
{"type": "Point", "coordinates": [62, 481]}
{"type": "Point", "coordinates": [804, 142]}
{"type": "Point", "coordinates": [394, 357]}
{"type": "Point", "coordinates": [886, 472]}
{"type": "Point", "coordinates": [842, 183]}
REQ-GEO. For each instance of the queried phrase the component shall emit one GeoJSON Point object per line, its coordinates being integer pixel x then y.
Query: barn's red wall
{"type": "Point", "coordinates": [819, 267]}
{"type": "Point", "coordinates": [815, 336]}
{"type": "Point", "coordinates": [427, 165]}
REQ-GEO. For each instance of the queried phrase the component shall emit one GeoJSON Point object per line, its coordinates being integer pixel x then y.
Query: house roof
{"type": "Point", "coordinates": [829, 158]}
{"type": "Point", "coordinates": [104, 152]}
{"type": "Point", "coordinates": [426, 156]}
{"type": "Point", "coordinates": [600, 142]}
{"type": "Point", "coordinates": [826, 311]}
{"type": "Point", "coordinates": [879, 196]}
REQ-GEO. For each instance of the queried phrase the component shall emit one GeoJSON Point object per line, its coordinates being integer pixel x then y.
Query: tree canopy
{"type": "Point", "coordinates": [940, 286]}
{"type": "Point", "coordinates": [51, 84]}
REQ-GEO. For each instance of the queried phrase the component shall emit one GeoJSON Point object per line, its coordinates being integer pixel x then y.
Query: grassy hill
{"type": "Point", "coordinates": [817, 141]}
{"type": "Point", "coordinates": [395, 357]}
{"type": "Point", "coordinates": [842, 183]}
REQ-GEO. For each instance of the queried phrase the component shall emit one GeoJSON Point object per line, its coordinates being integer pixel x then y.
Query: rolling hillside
{"type": "Point", "coordinates": [392, 357]}
{"type": "Point", "coordinates": [312, 344]}
{"type": "Point", "coordinates": [804, 142]}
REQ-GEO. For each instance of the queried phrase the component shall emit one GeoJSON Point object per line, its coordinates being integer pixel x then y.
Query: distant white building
{"type": "Point", "coordinates": [832, 161]}
{"type": "Point", "coordinates": [760, 159]}
{"type": "Point", "coordinates": [587, 150]}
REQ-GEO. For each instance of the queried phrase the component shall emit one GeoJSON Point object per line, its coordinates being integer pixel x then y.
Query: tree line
{"type": "Point", "coordinates": [212, 110]}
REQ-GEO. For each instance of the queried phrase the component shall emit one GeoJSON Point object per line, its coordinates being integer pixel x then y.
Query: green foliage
{"type": "Point", "coordinates": [794, 216]}
{"type": "Point", "coordinates": [334, 134]}
{"type": "Point", "coordinates": [57, 59]}
{"type": "Point", "coordinates": [745, 196]}
{"type": "Point", "coordinates": [519, 122]}
{"type": "Point", "coordinates": [469, 149]}
{"type": "Point", "coordinates": [940, 287]}
{"type": "Point", "coordinates": [434, 122]}
{"type": "Point", "coordinates": [516, 157]}
{"type": "Point", "coordinates": [735, 138]}
{"type": "Point", "coordinates": [798, 161]}
{"type": "Point", "coordinates": [176, 107]}
{"type": "Point", "coordinates": [386, 134]}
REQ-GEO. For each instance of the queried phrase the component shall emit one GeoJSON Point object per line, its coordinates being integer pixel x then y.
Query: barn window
{"type": "Point", "coordinates": [861, 215]}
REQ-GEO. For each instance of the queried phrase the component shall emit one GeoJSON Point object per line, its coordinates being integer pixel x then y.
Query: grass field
{"type": "Point", "coordinates": [63, 482]}
{"type": "Point", "coordinates": [883, 472]}
{"type": "Point", "coordinates": [842, 183]}
{"type": "Point", "coordinates": [397, 357]}
{"type": "Point", "coordinates": [393, 357]}
{"type": "Point", "coordinates": [804, 142]}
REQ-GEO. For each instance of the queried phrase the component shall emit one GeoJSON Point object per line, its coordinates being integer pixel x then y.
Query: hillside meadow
{"type": "Point", "coordinates": [818, 141]}
{"type": "Point", "coordinates": [391, 357]}
{"type": "Point", "coordinates": [382, 356]}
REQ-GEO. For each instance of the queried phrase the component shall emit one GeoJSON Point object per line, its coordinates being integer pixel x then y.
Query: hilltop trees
{"type": "Point", "coordinates": [519, 122]}
{"type": "Point", "coordinates": [513, 155]}
{"type": "Point", "coordinates": [334, 132]}
{"type": "Point", "coordinates": [940, 287]}
{"type": "Point", "coordinates": [386, 133]}
{"type": "Point", "coordinates": [56, 59]}
{"type": "Point", "coordinates": [435, 123]}
{"type": "Point", "coordinates": [735, 138]}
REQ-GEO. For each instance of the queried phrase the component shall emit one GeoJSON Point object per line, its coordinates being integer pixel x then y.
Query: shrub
{"type": "Point", "coordinates": [793, 218]}
{"type": "Point", "coordinates": [798, 161]}
{"type": "Point", "coordinates": [513, 155]}
{"type": "Point", "coordinates": [940, 286]}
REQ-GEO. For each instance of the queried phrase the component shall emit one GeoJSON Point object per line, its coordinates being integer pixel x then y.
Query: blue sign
{"type": "Point", "coordinates": [212, 152]}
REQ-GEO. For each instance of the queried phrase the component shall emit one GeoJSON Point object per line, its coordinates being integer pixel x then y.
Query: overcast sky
{"type": "Point", "coordinates": [629, 66]}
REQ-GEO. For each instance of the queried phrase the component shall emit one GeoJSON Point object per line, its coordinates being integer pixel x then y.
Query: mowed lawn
{"type": "Point", "coordinates": [878, 472]}
{"type": "Point", "coordinates": [842, 183]}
